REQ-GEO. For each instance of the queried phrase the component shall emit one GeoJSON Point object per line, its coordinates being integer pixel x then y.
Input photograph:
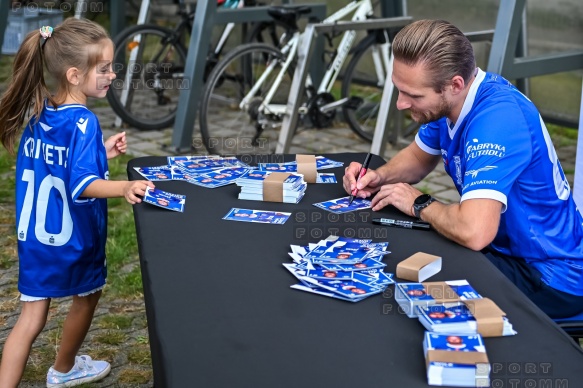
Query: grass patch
{"type": "Point", "coordinates": [134, 376]}
{"type": "Point", "coordinates": [140, 355]}
{"type": "Point", "coordinates": [115, 322]}
{"type": "Point", "coordinates": [110, 337]}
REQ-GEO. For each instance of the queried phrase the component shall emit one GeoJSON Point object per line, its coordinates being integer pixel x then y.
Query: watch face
{"type": "Point", "coordinates": [420, 200]}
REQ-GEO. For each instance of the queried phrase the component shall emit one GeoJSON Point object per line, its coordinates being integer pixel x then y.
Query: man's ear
{"type": "Point", "coordinates": [73, 76]}
{"type": "Point", "coordinates": [457, 84]}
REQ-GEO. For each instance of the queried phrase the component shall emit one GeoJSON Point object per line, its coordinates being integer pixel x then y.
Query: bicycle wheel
{"type": "Point", "coordinates": [361, 82]}
{"type": "Point", "coordinates": [149, 65]}
{"type": "Point", "coordinates": [229, 126]}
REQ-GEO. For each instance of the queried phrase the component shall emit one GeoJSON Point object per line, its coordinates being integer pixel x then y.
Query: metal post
{"type": "Point", "coordinates": [290, 119]}
{"type": "Point", "coordinates": [578, 184]}
{"type": "Point", "coordinates": [80, 6]}
{"type": "Point", "coordinates": [4, 7]}
{"type": "Point", "coordinates": [136, 53]}
{"type": "Point", "coordinates": [205, 18]}
{"type": "Point", "coordinates": [117, 16]}
{"type": "Point", "coordinates": [195, 61]}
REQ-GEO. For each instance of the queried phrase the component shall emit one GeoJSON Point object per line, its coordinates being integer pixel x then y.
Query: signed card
{"type": "Point", "coordinates": [340, 205]}
{"type": "Point", "coordinates": [165, 199]}
{"type": "Point", "coordinates": [259, 216]}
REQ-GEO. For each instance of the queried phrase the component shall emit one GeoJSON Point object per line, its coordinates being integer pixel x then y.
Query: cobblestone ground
{"type": "Point", "coordinates": [119, 330]}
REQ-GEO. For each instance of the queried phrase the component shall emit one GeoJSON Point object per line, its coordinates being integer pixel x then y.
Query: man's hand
{"type": "Point", "coordinates": [116, 145]}
{"type": "Point", "coordinates": [400, 195]}
{"type": "Point", "coordinates": [367, 185]}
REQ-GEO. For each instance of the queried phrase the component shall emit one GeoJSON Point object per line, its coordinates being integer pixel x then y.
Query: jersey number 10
{"type": "Point", "coordinates": [42, 202]}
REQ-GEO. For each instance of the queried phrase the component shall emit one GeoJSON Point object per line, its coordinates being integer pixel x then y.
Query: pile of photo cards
{"type": "Point", "coordinates": [205, 171]}
{"type": "Point", "coordinates": [410, 296]}
{"type": "Point", "coordinates": [322, 163]}
{"type": "Point", "coordinates": [165, 199]}
{"type": "Point", "coordinates": [272, 186]}
{"type": "Point", "coordinates": [340, 267]}
{"type": "Point", "coordinates": [481, 316]}
{"type": "Point", "coordinates": [458, 360]}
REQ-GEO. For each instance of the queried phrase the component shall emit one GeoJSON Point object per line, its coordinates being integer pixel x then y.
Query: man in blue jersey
{"type": "Point", "coordinates": [516, 205]}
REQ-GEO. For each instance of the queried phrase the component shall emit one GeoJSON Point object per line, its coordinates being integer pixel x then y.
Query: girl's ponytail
{"type": "Point", "coordinates": [26, 89]}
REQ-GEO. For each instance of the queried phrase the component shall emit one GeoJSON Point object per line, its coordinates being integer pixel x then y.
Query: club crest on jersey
{"type": "Point", "coordinates": [82, 124]}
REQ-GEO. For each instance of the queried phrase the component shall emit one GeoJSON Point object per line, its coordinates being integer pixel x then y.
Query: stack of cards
{"type": "Point", "coordinates": [341, 268]}
{"type": "Point", "coordinates": [413, 295]}
{"type": "Point", "coordinates": [455, 318]}
{"type": "Point", "coordinates": [291, 188]}
{"type": "Point", "coordinates": [205, 171]}
{"type": "Point", "coordinates": [322, 163]}
{"type": "Point", "coordinates": [458, 360]}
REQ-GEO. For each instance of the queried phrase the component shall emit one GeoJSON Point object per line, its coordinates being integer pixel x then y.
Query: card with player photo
{"type": "Point", "coordinates": [164, 199]}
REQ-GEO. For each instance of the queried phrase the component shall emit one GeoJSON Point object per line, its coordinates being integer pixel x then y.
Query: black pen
{"type": "Point", "coordinates": [361, 172]}
{"type": "Point", "coordinates": [421, 225]}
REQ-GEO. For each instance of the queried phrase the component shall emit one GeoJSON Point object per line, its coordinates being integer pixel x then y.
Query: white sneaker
{"type": "Point", "coordinates": [84, 371]}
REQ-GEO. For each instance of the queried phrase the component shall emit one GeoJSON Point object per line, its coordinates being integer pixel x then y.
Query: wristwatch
{"type": "Point", "coordinates": [421, 202]}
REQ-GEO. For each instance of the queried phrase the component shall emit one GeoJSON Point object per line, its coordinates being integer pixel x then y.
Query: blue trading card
{"type": "Point", "coordinates": [327, 177]}
{"type": "Point", "coordinates": [366, 264]}
{"type": "Point", "coordinates": [340, 205]}
{"type": "Point", "coordinates": [347, 288]}
{"type": "Point", "coordinates": [200, 166]}
{"type": "Point", "coordinates": [165, 199]}
{"type": "Point", "coordinates": [374, 278]}
{"type": "Point", "coordinates": [322, 163]}
{"type": "Point", "coordinates": [439, 314]}
{"type": "Point", "coordinates": [219, 177]}
{"type": "Point", "coordinates": [156, 173]}
{"type": "Point", "coordinates": [415, 291]}
{"type": "Point", "coordinates": [281, 167]}
{"type": "Point", "coordinates": [260, 216]}
{"type": "Point", "coordinates": [340, 252]}
{"type": "Point", "coordinates": [455, 342]}
{"type": "Point", "coordinates": [328, 275]}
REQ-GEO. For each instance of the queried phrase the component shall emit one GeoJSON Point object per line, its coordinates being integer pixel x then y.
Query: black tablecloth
{"type": "Point", "coordinates": [221, 313]}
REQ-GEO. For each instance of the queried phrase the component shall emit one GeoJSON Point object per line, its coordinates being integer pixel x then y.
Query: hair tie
{"type": "Point", "coordinates": [46, 32]}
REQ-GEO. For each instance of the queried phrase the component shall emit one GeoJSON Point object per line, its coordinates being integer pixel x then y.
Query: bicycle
{"type": "Point", "coordinates": [250, 86]}
{"type": "Point", "coordinates": [149, 62]}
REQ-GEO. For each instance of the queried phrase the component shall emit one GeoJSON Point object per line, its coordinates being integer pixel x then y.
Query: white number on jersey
{"type": "Point", "coordinates": [42, 204]}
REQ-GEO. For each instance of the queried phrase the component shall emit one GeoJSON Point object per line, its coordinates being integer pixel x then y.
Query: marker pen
{"type": "Point", "coordinates": [421, 225]}
{"type": "Point", "coordinates": [361, 172]}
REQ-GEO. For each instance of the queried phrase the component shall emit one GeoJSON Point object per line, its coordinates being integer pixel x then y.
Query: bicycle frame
{"type": "Point", "coordinates": [362, 9]}
{"type": "Point", "coordinates": [186, 23]}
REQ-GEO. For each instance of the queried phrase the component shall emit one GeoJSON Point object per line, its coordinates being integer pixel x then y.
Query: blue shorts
{"type": "Point", "coordinates": [556, 304]}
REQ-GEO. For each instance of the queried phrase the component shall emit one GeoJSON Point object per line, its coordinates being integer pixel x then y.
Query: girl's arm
{"type": "Point", "coordinates": [132, 191]}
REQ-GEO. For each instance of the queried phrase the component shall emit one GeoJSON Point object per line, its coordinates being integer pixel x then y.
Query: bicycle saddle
{"type": "Point", "coordinates": [289, 15]}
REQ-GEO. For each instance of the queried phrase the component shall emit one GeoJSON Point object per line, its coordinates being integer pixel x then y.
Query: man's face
{"type": "Point", "coordinates": [422, 101]}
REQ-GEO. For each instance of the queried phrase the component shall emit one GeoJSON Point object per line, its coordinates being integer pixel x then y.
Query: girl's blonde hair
{"type": "Point", "coordinates": [74, 43]}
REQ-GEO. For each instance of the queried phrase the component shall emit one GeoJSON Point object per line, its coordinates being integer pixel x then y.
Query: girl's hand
{"type": "Point", "coordinates": [116, 145]}
{"type": "Point", "coordinates": [134, 191]}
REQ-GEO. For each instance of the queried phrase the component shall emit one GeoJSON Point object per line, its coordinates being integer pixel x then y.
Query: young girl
{"type": "Point", "coordinates": [61, 190]}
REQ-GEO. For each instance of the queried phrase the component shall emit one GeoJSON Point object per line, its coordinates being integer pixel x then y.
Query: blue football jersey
{"type": "Point", "coordinates": [500, 149]}
{"type": "Point", "coordinates": [61, 235]}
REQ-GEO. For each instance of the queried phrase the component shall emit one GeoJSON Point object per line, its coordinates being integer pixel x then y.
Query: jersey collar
{"type": "Point", "coordinates": [468, 103]}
